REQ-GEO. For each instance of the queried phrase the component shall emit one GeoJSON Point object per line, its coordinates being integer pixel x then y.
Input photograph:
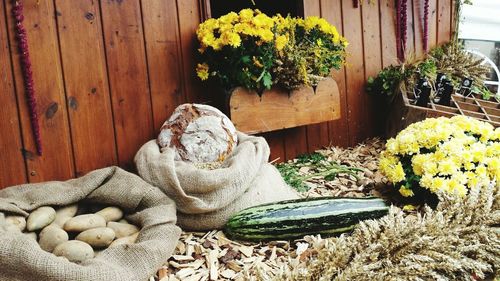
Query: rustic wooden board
{"type": "Point", "coordinates": [189, 15]}
{"type": "Point", "coordinates": [276, 145]}
{"type": "Point", "coordinates": [418, 14]}
{"type": "Point", "coordinates": [317, 134]}
{"type": "Point", "coordinates": [12, 166]}
{"type": "Point", "coordinates": [87, 88]}
{"type": "Point", "coordinates": [355, 76]}
{"type": "Point", "coordinates": [276, 110]}
{"type": "Point", "coordinates": [444, 21]}
{"type": "Point", "coordinates": [372, 60]}
{"type": "Point", "coordinates": [432, 23]}
{"type": "Point", "coordinates": [164, 58]}
{"type": "Point", "coordinates": [388, 26]}
{"type": "Point", "coordinates": [338, 129]}
{"type": "Point", "coordinates": [128, 77]}
{"type": "Point", "coordinates": [57, 160]}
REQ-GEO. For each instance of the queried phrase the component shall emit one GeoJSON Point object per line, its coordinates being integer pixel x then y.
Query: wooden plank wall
{"type": "Point", "coordinates": [108, 73]}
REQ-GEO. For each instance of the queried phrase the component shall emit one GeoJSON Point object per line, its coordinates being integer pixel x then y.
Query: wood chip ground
{"type": "Point", "coordinates": [212, 256]}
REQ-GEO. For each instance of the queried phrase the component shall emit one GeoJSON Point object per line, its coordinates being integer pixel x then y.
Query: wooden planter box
{"type": "Point", "coordinates": [278, 109]}
{"type": "Point", "coordinates": [404, 112]}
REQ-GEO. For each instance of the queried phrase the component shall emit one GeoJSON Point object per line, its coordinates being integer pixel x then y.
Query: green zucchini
{"type": "Point", "coordinates": [294, 219]}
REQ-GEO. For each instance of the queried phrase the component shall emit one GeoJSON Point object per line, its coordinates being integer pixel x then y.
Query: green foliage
{"type": "Point", "coordinates": [319, 167]}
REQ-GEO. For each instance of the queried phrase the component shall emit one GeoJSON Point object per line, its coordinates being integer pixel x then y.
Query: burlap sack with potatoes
{"type": "Point", "coordinates": [206, 199]}
{"type": "Point", "coordinates": [22, 258]}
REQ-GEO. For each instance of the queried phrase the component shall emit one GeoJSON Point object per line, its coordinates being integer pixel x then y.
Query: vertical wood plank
{"type": "Point", "coordinates": [355, 76]}
{"type": "Point", "coordinates": [57, 160]}
{"type": "Point", "coordinates": [164, 57]}
{"type": "Point", "coordinates": [317, 134]}
{"type": "Point", "coordinates": [87, 89]}
{"type": "Point", "coordinates": [418, 21]}
{"type": "Point", "coordinates": [444, 21]}
{"type": "Point", "coordinates": [12, 165]}
{"type": "Point", "coordinates": [388, 30]}
{"type": "Point", "coordinates": [189, 18]}
{"type": "Point", "coordinates": [128, 78]}
{"type": "Point", "coordinates": [432, 23]}
{"type": "Point", "coordinates": [410, 41]}
{"type": "Point", "coordinates": [373, 64]}
{"type": "Point", "coordinates": [295, 140]}
{"type": "Point", "coordinates": [277, 146]}
{"type": "Point", "coordinates": [338, 129]}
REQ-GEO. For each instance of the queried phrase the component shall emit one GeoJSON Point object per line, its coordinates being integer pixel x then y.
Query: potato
{"type": "Point", "coordinates": [64, 214]}
{"type": "Point", "coordinates": [127, 240]}
{"type": "Point", "coordinates": [40, 218]}
{"type": "Point", "coordinates": [67, 211]}
{"type": "Point", "coordinates": [51, 236]}
{"type": "Point", "coordinates": [18, 221]}
{"type": "Point", "coordinates": [74, 250]}
{"type": "Point", "coordinates": [111, 213]}
{"type": "Point", "coordinates": [83, 222]}
{"type": "Point", "coordinates": [123, 229]}
{"type": "Point", "coordinates": [97, 237]}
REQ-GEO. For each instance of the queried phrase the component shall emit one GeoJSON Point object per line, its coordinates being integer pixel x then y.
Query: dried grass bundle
{"type": "Point", "coordinates": [460, 240]}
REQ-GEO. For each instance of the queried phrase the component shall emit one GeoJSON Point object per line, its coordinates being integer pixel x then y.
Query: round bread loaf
{"type": "Point", "coordinates": [198, 133]}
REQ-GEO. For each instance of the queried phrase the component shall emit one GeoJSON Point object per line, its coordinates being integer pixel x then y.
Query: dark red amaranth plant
{"type": "Point", "coordinates": [356, 3]}
{"type": "Point", "coordinates": [426, 25]}
{"type": "Point", "coordinates": [398, 28]}
{"type": "Point", "coordinates": [22, 41]}
{"type": "Point", "coordinates": [404, 27]}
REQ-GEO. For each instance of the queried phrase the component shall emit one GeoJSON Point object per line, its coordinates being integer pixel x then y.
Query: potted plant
{"type": "Point", "coordinates": [275, 68]}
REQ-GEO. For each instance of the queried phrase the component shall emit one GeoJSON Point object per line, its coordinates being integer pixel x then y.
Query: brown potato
{"type": "Point", "coordinates": [111, 213]}
{"type": "Point", "coordinates": [40, 218]}
{"type": "Point", "coordinates": [83, 222]}
{"type": "Point", "coordinates": [127, 240]}
{"type": "Point", "coordinates": [74, 250]}
{"type": "Point", "coordinates": [123, 229]}
{"type": "Point", "coordinates": [51, 236]}
{"type": "Point", "coordinates": [97, 237]}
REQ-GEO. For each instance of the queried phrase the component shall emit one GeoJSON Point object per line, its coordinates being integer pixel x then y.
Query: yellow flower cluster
{"type": "Point", "coordinates": [249, 49]}
{"type": "Point", "coordinates": [443, 154]}
{"type": "Point", "coordinates": [231, 29]}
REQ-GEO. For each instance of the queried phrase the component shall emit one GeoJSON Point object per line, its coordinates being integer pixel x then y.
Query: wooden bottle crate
{"type": "Point", "coordinates": [404, 111]}
{"type": "Point", "coordinates": [277, 109]}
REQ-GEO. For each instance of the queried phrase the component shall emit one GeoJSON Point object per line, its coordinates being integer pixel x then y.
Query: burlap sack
{"type": "Point", "coordinates": [22, 259]}
{"type": "Point", "coordinates": [206, 199]}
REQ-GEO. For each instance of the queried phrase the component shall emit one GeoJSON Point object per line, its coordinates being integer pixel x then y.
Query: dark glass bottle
{"type": "Point", "coordinates": [425, 95]}
{"type": "Point", "coordinates": [445, 98]}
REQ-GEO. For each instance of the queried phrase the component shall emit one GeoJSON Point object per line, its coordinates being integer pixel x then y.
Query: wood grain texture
{"type": "Point", "coordinates": [12, 165]}
{"type": "Point", "coordinates": [432, 23]}
{"type": "Point", "coordinates": [373, 63]}
{"type": "Point", "coordinates": [189, 14]}
{"type": "Point", "coordinates": [128, 77]}
{"type": "Point", "coordinates": [338, 130]}
{"type": "Point", "coordinates": [388, 27]}
{"type": "Point", "coordinates": [164, 58]}
{"type": "Point", "coordinates": [418, 21]}
{"type": "Point", "coordinates": [355, 76]}
{"type": "Point", "coordinates": [317, 134]}
{"type": "Point", "coordinates": [276, 145]}
{"type": "Point", "coordinates": [277, 109]}
{"type": "Point", "coordinates": [87, 89]}
{"type": "Point", "coordinates": [56, 163]}
{"type": "Point", "coordinates": [444, 28]}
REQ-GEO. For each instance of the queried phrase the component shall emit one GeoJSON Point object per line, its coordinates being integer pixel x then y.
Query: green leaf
{"type": "Point", "coordinates": [267, 80]}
